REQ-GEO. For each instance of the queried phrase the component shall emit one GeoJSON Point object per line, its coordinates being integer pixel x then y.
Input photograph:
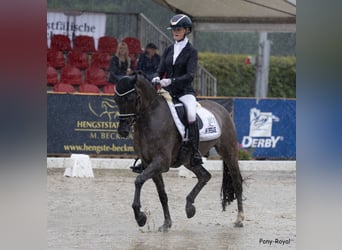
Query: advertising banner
{"type": "Point", "coordinates": [89, 24]}
{"type": "Point", "coordinates": [227, 103]}
{"type": "Point", "coordinates": [84, 124]}
{"type": "Point", "coordinates": [87, 124]}
{"type": "Point", "coordinates": [266, 127]}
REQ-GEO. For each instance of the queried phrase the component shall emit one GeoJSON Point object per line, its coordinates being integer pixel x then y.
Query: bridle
{"type": "Point", "coordinates": [127, 116]}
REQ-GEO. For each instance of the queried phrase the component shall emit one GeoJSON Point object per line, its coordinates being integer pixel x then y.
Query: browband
{"type": "Point", "coordinates": [123, 94]}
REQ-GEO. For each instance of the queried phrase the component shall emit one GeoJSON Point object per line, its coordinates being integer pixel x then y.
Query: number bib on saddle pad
{"type": "Point", "coordinates": [208, 126]}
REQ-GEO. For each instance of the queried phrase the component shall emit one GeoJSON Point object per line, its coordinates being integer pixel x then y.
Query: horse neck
{"type": "Point", "coordinates": [148, 96]}
{"type": "Point", "coordinates": [156, 113]}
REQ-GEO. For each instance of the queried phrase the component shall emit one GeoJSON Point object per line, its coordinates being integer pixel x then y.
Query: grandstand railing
{"type": "Point", "coordinates": [148, 32]}
{"type": "Point", "coordinates": [205, 83]}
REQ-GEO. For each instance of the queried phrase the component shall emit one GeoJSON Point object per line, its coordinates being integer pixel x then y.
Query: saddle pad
{"type": "Point", "coordinates": [210, 130]}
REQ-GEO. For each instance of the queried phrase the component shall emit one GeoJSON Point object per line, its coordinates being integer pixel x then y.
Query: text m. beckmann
{"type": "Point", "coordinates": [276, 241]}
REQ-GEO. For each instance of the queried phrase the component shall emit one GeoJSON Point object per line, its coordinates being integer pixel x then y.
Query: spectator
{"type": "Point", "coordinates": [149, 61]}
{"type": "Point", "coordinates": [120, 65]}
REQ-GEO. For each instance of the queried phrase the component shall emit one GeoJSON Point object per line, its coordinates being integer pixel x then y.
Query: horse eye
{"type": "Point", "coordinates": [130, 98]}
{"type": "Point", "coordinates": [118, 100]}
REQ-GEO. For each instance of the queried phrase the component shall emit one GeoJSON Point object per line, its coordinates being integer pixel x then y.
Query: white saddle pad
{"type": "Point", "coordinates": [210, 130]}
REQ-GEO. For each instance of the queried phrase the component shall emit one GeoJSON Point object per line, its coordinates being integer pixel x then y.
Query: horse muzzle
{"type": "Point", "coordinates": [124, 128]}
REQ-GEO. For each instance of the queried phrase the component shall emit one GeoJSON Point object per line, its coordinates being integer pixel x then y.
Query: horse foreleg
{"type": "Point", "coordinates": [152, 170]}
{"type": "Point", "coordinates": [203, 176]}
{"type": "Point", "coordinates": [158, 181]}
{"type": "Point", "coordinates": [140, 217]}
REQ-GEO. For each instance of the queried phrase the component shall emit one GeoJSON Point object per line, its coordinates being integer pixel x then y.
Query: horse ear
{"type": "Point", "coordinates": [125, 84]}
{"type": "Point", "coordinates": [134, 78]}
{"type": "Point", "coordinates": [141, 73]}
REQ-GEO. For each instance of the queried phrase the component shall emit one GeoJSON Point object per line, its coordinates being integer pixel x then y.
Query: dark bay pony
{"type": "Point", "coordinates": [157, 143]}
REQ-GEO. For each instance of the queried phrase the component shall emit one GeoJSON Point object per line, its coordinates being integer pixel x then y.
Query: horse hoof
{"type": "Point", "coordinates": [164, 228]}
{"type": "Point", "coordinates": [238, 224]}
{"type": "Point", "coordinates": [190, 211]}
{"type": "Point", "coordinates": [141, 220]}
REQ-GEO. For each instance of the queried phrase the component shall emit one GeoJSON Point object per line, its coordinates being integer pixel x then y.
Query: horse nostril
{"type": "Point", "coordinates": [123, 129]}
{"type": "Point", "coordinates": [123, 133]}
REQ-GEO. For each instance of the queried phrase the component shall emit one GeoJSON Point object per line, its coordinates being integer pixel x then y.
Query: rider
{"type": "Point", "coordinates": [178, 64]}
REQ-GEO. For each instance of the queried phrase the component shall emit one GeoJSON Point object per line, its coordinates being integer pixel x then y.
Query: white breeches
{"type": "Point", "coordinates": [190, 103]}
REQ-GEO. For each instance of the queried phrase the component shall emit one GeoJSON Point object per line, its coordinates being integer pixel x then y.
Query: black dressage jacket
{"type": "Point", "coordinates": [182, 73]}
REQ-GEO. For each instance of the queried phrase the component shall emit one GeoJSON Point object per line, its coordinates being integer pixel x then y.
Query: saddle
{"type": "Point", "coordinates": [181, 112]}
{"type": "Point", "coordinates": [209, 128]}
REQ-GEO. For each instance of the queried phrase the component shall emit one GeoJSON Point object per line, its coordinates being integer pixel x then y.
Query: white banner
{"type": "Point", "coordinates": [89, 24]}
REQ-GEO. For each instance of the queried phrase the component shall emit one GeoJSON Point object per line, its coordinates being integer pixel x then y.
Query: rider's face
{"type": "Point", "coordinates": [179, 33]}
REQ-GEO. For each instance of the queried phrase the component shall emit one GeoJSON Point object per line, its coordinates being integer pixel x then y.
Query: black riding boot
{"type": "Point", "coordinates": [196, 158]}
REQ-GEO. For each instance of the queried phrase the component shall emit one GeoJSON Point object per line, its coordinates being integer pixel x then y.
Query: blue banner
{"type": "Point", "coordinates": [87, 124]}
{"type": "Point", "coordinates": [84, 124]}
{"type": "Point", "coordinates": [266, 127]}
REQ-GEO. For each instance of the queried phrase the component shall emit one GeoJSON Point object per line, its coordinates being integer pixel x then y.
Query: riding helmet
{"type": "Point", "coordinates": [180, 20]}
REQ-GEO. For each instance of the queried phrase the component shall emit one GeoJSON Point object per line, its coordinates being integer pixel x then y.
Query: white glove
{"type": "Point", "coordinates": [156, 79]}
{"type": "Point", "coordinates": [165, 82]}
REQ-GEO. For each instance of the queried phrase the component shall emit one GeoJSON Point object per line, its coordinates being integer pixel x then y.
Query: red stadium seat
{"type": "Point", "coordinates": [134, 45]}
{"type": "Point", "coordinates": [51, 75]}
{"type": "Point", "coordinates": [108, 44]}
{"type": "Point", "coordinates": [100, 60]}
{"type": "Point", "coordinates": [108, 89]}
{"type": "Point", "coordinates": [71, 75]}
{"type": "Point", "coordinates": [55, 58]}
{"type": "Point", "coordinates": [64, 87]}
{"type": "Point", "coordinates": [85, 43]}
{"type": "Point", "coordinates": [60, 42]}
{"type": "Point", "coordinates": [78, 58]}
{"type": "Point", "coordinates": [96, 76]}
{"type": "Point", "coordinates": [88, 88]}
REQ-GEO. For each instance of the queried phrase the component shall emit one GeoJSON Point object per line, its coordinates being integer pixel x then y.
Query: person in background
{"type": "Point", "coordinates": [120, 64]}
{"type": "Point", "coordinates": [149, 61]}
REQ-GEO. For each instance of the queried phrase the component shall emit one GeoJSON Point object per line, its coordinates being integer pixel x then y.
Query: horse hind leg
{"type": "Point", "coordinates": [158, 181]}
{"type": "Point", "coordinates": [203, 176]}
{"type": "Point", "coordinates": [231, 184]}
{"type": "Point", "coordinates": [231, 189]}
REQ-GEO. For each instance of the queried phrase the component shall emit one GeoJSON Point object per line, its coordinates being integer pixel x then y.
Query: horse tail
{"type": "Point", "coordinates": [228, 193]}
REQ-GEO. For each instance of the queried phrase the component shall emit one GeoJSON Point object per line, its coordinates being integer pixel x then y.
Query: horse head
{"type": "Point", "coordinates": [133, 95]}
